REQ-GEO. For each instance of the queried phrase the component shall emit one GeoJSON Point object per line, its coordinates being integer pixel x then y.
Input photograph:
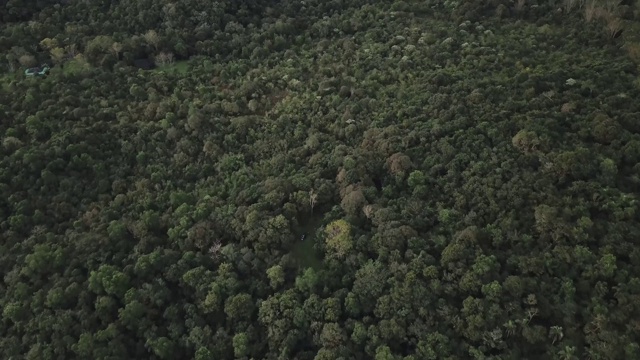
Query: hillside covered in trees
{"type": "Point", "coordinates": [345, 179]}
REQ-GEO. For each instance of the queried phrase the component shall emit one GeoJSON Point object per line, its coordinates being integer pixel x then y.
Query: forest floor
{"type": "Point", "coordinates": [304, 251]}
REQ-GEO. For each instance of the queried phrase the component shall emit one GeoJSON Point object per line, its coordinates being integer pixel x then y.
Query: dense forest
{"type": "Point", "coordinates": [343, 179]}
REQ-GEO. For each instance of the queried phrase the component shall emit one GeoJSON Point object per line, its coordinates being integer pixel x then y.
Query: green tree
{"type": "Point", "coordinates": [307, 281]}
{"type": "Point", "coordinates": [352, 202]}
{"type": "Point", "coordinates": [239, 307]}
{"type": "Point", "coordinates": [384, 353]}
{"type": "Point", "coordinates": [109, 280]}
{"type": "Point", "coordinates": [416, 178]}
{"type": "Point", "coordinates": [276, 276]}
{"type": "Point", "coordinates": [241, 345]}
{"type": "Point", "coordinates": [359, 334]}
{"type": "Point", "coordinates": [97, 48]}
{"type": "Point", "coordinates": [162, 347]}
{"type": "Point", "coordinates": [369, 284]}
{"type": "Point", "coordinates": [338, 238]}
{"type": "Point", "coordinates": [332, 336]}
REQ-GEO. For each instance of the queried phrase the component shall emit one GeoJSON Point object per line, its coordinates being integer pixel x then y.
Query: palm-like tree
{"type": "Point", "coordinates": [511, 327]}
{"type": "Point", "coordinates": [556, 333]}
{"type": "Point", "coordinates": [568, 353]}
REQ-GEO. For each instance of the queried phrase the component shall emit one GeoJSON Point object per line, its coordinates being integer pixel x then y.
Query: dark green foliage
{"type": "Point", "coordinates": [464, 174]}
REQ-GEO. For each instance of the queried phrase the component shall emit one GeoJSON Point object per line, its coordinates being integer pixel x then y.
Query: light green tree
{"type": "Point", "coordinates": [338, 238]}
{"type": "Point", "coordinates": [276, 276]}
{"type": "Point", "coordinates": [241, 345]}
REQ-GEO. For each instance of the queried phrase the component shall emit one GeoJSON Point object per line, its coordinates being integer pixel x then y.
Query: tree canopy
{"type": "Point", "coordinates": [464, 174]}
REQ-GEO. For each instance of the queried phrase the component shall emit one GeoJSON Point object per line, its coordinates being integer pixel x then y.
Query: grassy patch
{"type": "Point", "coordinates": [304, 250]}
{"type": "Point", "coordinates": [306, 254]}
{"type": "Point", "coordinates": [178, 67]}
